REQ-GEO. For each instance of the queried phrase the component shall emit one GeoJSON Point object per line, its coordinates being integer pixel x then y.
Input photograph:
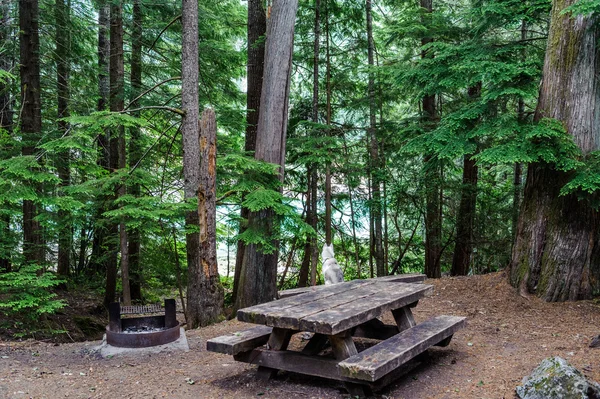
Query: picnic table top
{"type": "Point", "coordinates": [335, 308]}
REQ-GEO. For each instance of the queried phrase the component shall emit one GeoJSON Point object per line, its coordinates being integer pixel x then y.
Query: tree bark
{"type": "Point", "coordinates": [328, 232]}
{"type": "Point", "coordinates": [99, 241]}
{"type": "Point", "coordinates": [259, 269]}
{"type": "Point", "coordinates": [314, 180]}
{"type": "Point", "coordinates": [556, 252]}
{"type": "Point", "coordinates": [135, 151]}
{"type": "Point", "coordinates": [314, 251]}
{"type": "Point", "coordinates": [205, 293]}
{"type": "Point", "coordinates": [374, 151]}
{"type": "Point", "coordinates": [463, 249]}
{"type": "Point", "coordinates": [257, 28]}
{"type": "Point", "coordinates": [116, 142]}
{"type": "Point", "coordinates": [191, 145]}
{"type": "Point", "coordinates": [306, 258]}
{"type": "Point", "coordinates": [63, 43]}
{"type": "Point", "coordinates": [31, 120]}
{"type": "Point", "coordinates": [433, 221]}
{"type": "Point", "coordinates": [6, 124]}
{"type": "Point", "coordinates": [518, 169]}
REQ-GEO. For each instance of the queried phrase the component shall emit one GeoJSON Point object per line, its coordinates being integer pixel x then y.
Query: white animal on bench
{"type": "Point", "coordinates": [331, 270]}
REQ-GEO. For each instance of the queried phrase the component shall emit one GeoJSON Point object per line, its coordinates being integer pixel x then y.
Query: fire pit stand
{"type": "Point", "coordinates": [144, 331]}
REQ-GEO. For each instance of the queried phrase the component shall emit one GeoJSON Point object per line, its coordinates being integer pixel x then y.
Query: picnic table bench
{"type": "Point", "coordinates": [335, 314]}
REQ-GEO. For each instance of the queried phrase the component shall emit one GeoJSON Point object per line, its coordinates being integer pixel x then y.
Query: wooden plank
{"type": "Point", "coordinates": [383, 358]}
{"type": "Point", "coordinates": [341, 318]}
{"type": "Point", "coordinates": [239, 342]}
{"type": "Point", "coordinates": [315, 345]}
{"type": "Point", "coordinates": [278, 341]}
{"type": "Point", "coordinates": [316, 366]}
{"type": "Point", "coordinates": [404, 318]}
{"type": "Point", "coordinates": [397, 278]}
{"type": "Point", "coordinates": [290, 317]}
{"type": "Point", "coordinates": [298, 291]}
{"type": "Point", "coordinates": [342, 346]}
{"type": "Point", "coordinates": [258, 314]}
{"type": "Point", "coordinates": [401, 278]}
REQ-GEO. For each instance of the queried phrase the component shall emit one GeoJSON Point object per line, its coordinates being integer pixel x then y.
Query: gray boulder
{"type": "Point", "coordinates": [554, 378]}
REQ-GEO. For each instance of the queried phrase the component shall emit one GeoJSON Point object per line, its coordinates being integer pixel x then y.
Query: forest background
{"type": "Point", "coordinates": [412, 127]}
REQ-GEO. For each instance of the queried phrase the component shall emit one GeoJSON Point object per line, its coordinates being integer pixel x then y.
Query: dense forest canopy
{"type": "Point", "coordinates": [401, 131]}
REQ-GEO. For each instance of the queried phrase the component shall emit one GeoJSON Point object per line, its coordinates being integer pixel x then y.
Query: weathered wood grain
{"type": "Point", "coordinates": [239, 342]}
{"type": "Point", "coordinates": [315, 366]}
{"type": "Point", "coordinates": [291, 317]}
{"type": "Point", "coordinates": [342, 346]}
{"type": "Point", "coordinates": [315, 345]}
{"type": "Point", "coordinates": [278, 341]}
{"type": "Point", "coordinates": [258, 314]}
{"type": "Point", "coordinates": [389, 296]}
{"type": "Point", "coordinates": [401, 278]}
{"type": "Point", "coordinates": [383, 358]}
{"type": "Point", "coordinates": [404, 318]}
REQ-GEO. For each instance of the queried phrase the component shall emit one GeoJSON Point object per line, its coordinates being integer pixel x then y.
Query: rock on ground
{"type": "Point", "coordinates": [554, 378]}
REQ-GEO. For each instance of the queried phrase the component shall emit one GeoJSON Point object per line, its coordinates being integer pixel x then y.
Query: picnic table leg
{"type": "Point", "coordinates": [315, 344]}
{"type": "Point", "coordinates": [343, 347]}
{"type": "Point", "coordinates": [278, 341]}
{"type": "Point", "coordinates": [404, 318]}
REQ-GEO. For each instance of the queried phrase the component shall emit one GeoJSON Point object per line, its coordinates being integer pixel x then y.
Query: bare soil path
{"type": "Point", "coordinates": [506, 337]}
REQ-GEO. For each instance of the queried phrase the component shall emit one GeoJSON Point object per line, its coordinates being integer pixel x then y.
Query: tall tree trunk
{"type": "Point", "coordinates": [466, 216]}
{"type": "Point", "coordinates": [374, 151]}
{"type": "Point", "coordinates": [63, 43]}
{"type": "Point", "coordinates": [463, 248]}
{"type": "Point", "coordinates": [99, 242]}
{"type": "Point", "coordinates": [328, 235]}
{"type": "Point", "coordinates": [116, 78]}
{"type": "Point", "coordinates": [31, 119]}
{"type": "Point", "coordinates": [315, 177]}
{"type": "Point", "coordinates": [433, 222]}
{"type": "Point", "coordinates": [135, 150]}
{"type": "Point", "coordinates": [259, 269]}
{"type": "Point", "coordinates": [352, 220]}
{"type": "Point", "coordinates": [306, 258]}
{"type": "Point", "coordinates": [314, 251]}
{"type": "Point", "coordinates": [556, 251]}
{"type": "Point", "coordinates": [257, 28]}
{"type": "Point", "coordinates": [191, 147]}
{"type": "Point", "coordinates": [518, 170]}
{"type": "Point", "coordinates": [6, 124]}
{"type": "Point", "coordinates": [205, 293]}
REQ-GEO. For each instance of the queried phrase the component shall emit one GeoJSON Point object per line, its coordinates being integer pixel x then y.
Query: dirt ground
{"type": "Point", "coordinates": [506, 337]}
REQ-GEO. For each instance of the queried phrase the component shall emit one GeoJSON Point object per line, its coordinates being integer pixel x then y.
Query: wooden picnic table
{"type": "Point", "coordinates": [335, 314]}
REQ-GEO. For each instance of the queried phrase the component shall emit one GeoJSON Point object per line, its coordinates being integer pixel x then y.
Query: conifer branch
{"type": "Point", "coordinates": [172, 109]}
{"type": "Point", "coordinates": [164, 30]}
{"type": "Point", "coordinates": [149, 90]}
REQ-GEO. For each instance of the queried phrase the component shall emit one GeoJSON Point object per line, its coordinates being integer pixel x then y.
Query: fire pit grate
{"type": "Point", "coordinates": [144, 331]}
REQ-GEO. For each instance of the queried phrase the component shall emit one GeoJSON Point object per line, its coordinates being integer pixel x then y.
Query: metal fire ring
{"type": "Point", "coordinates": [142, 340]}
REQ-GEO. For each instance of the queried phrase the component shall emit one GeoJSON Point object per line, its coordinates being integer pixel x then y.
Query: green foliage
{"type": "Point", "coordinates": [27, 292]}
{"type": "Point", "coordinates": [546, 141]}
{"type": "Point", "coordinates": [583, 7]}
{"type": "Point", "coordinates": [585, 182]}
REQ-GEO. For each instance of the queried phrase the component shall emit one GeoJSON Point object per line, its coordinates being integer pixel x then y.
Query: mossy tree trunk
{"type": "Point", "coordinates": [555, 254]}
